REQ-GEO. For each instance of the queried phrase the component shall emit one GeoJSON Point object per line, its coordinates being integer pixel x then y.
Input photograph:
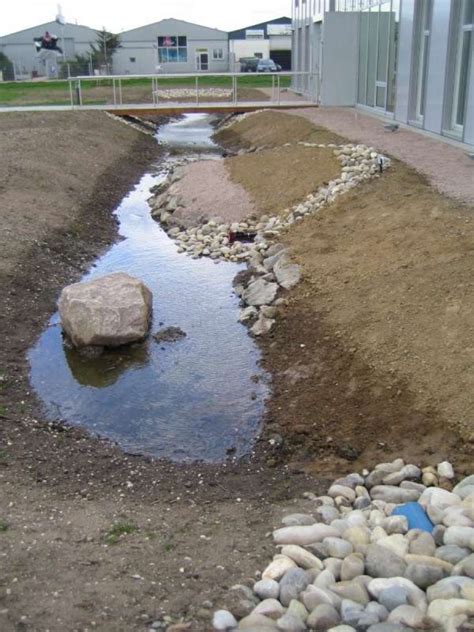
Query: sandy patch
{"type": "Point", "coordinates": [207, 191]}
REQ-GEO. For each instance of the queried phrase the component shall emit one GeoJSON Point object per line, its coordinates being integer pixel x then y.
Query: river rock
{"type": "Point", "coordinates": [292, 583]}
{"type": "Point", "coordinates": [279, 566]}
{"type": "Point", "coordinates": [291, 623]}
{"type": "Point", "coordinates": [448, 588]}
{"type": "Point", "coordinates": [260, 292]}
{"type": "Point", "coordinates": [298, 519]}
{"type": "Point", "coordinates": [267, 589]}
{"type": "Point", "coordinates": [352, 590]}
{"type": "Point", "coordinates": [223, 620]}
{"type": "Point", "coordinates": [407, 615]}
{"type": "Point", "coordinates": [393, 596]}
{"type": "Point", "coordinates": [323, 617]}
{"type": "Point", "coordinates": [408, 472]}
{"type": "Point", "coordinates": [297, 609]}
{"type": "Point", "coordinates": [109, 311]}
{"type": "Point", "coordinates": [352, 566]}
{"type": "Point", "coordinates": [240, 600]}
{"type": "Point", "coordinates": [382, 562]}
{"type": "Point", "coordinates": [304, 534]}
{"type": "Point", "coordinates": [258, 622]}
{"type": "Point", "coordinates": [424, 575]}
{"type": "Point", "coordinates": [452, 553]}
{"type": "Point", "coordinates": [416, 596]}
{"type": "Point", "coordinates": [421, 543]}
{"type": "Point", "coordinates": [443, 611]}
{"type": "Point", "coordinates": [302, 557]}
{"type": "Point", "coordinates": [393, 494]}
{"type": "Point", "coordinates": [314, 596]}
{"type": "Point", "coordinates": [461, 536]}
{"type": "Point", "coordinates": [262, 326]}
{"type": "Point", "coordinates": [287, 274]}
{"type": "Point", "coordinates": [445, 469]}
{"type": "Point", "coordinates": [271, 608]}
{"type": "Point", "coordinates": [337, 547]}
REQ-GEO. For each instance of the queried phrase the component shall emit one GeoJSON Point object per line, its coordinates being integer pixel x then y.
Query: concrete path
{"type": "Point", "coordinates": [448, 167]}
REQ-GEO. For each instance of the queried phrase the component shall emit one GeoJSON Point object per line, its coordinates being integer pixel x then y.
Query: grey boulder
{"type": "Point", "coordinates": [109, 311]}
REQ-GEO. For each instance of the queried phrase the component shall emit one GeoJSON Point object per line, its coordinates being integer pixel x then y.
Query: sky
{"type": "Point", "coordinates": [120, 16]}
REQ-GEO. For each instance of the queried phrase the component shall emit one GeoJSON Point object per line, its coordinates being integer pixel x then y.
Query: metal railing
{"type": "Point", "coordinates": [160, 82]}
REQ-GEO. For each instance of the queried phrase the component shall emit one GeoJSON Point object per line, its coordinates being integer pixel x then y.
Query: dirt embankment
{"type": "Point", "coordinates": [91, 538]}
{"type": "Point", "coordinates": [372, 356]}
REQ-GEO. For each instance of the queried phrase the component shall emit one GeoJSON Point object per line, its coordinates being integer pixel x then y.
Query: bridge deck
{"type": "Point", "coordinates": [135, 109]}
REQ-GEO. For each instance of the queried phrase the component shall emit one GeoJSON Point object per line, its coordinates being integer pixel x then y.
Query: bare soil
{"type": "Point", "coordinates": [278, 178]}
{"type": "Point", "coordinates": [274, 129]}
{"type": "Point", "coordinates": [372, 356]}
{"type": "Point", "coordinates": [91, 538]}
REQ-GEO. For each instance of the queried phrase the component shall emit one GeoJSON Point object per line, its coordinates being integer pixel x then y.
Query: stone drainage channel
{"type": "Point", "coordinates": [199, 398]}
{"type": "Point", "coordinates": [202, 397]}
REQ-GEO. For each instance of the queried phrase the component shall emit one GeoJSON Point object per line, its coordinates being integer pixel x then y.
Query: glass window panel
{"type": "Point", "coordinates": [182, 54]}
{"type": "Point", "coordinates": [182, 41]}
{"type": "Point", "coordinates": [383, 42]}
{"type": "Point", "coordinates": [393, 52]}
{"type": "Point", "coordinates": [463, 76]}
{"type": "Point", "coordinates": [364, 31]}
{"type": "Point", "coordinates": [172, 54]}
{"type": "Point", "coordinates": [372, 56]}
{"type": "Point", "coordinates": [380, 97]}
{"type": "Point", "coordinates": [468, 14]}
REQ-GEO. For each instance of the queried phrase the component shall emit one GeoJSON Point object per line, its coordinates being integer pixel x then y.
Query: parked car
{"type": "Point", "coordinates": [248, 64]}
{"type": "Point", "coordinates": [267, 65]}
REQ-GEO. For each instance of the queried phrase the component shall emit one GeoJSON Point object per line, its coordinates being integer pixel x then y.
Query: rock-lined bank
{"type": "Point", "coordinates": [254, 240]}
{"type": "Point", "coordinates": [364, 560]}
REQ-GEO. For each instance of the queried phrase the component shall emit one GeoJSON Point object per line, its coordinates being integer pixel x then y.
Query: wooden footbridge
{"type": "Point", "coordinates": [172, 94]}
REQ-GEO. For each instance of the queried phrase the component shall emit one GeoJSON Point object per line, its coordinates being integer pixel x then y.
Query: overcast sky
{"type": "Point", "coordinates": [16, 15]}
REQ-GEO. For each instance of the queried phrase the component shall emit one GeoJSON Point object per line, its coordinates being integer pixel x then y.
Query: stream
{"type": "Point", "coordinates": [200, 398]}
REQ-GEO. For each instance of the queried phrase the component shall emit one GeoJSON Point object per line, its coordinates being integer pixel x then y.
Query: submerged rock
{"type": "Point", "coordinates": [110, 311]}
{"type": "Point", "coordinates": [169, 334]}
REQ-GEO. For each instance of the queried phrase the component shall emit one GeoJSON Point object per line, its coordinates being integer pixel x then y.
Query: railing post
{"type": "Point", "coordinates": [114, 91]}
{"type": "Point", "coordinates": [79, 93]}
{"type": "Point", "coordinates": [71, 93]}
{"type": "Point", "coordinates": [120, 90]}
{"type": "Point", "coordinates": [197, 89]}
{"type": "Point", "coordinates": [273, 87]}
{"type": "Point", "coordinates": [278, 88]}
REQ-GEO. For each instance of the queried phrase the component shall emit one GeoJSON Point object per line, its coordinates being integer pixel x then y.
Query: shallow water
{"type": "Point", "coordinates": [194, 399]}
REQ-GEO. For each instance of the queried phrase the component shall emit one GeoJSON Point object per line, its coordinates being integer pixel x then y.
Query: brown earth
{"type": "Point", "coordinates": [91, 538]}
{"type": "Point", "coordinates": [373, 356]}
{"type": "Point", "coordinates": [274, 129]}
{"type": "Point", "coordinates": [280, 177]}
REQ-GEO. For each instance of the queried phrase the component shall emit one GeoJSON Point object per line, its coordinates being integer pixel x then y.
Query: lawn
{"type": "Point", "coordinates": [136, 90]}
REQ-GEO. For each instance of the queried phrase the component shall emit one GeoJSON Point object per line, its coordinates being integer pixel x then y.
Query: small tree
{"type": "Point", "coordinates": [6, 67]}
{"type": "Point", "coordinates": [105, 47]}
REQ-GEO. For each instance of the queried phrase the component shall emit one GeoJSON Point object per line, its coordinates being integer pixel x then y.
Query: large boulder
{"type": "Point", "coordinates": [109, 311]}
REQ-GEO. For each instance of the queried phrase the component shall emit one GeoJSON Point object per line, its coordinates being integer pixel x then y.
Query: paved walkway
{"type": "Point", "coordinates": [448, 168]}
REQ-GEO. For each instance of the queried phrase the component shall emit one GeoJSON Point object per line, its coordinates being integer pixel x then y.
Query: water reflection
{"type": "Point", "coordinates": [192, 399]}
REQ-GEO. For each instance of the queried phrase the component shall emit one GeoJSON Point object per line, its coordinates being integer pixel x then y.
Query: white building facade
{"type": "Point", "coordinates": [412, 60]}
{"type": "Point", "coordinates": [19, 47]}
{"type": "Point", "coordinates": [172, 46]}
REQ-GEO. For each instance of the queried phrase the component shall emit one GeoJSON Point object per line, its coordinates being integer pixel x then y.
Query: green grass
{"type": "Point", "coordinates": [118, 530]}
{"type": "Point", "coordinates": [57, 92]}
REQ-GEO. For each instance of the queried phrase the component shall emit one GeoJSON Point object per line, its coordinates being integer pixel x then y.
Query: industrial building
{"type": "Point", "coordinates": [410, 60]}
{"type": "Point", "coordinates": [73, 39]}
{"type": "Point", "coordinates": [267, 40]}
{"type": "Point", "coordinates": [172, 46]}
